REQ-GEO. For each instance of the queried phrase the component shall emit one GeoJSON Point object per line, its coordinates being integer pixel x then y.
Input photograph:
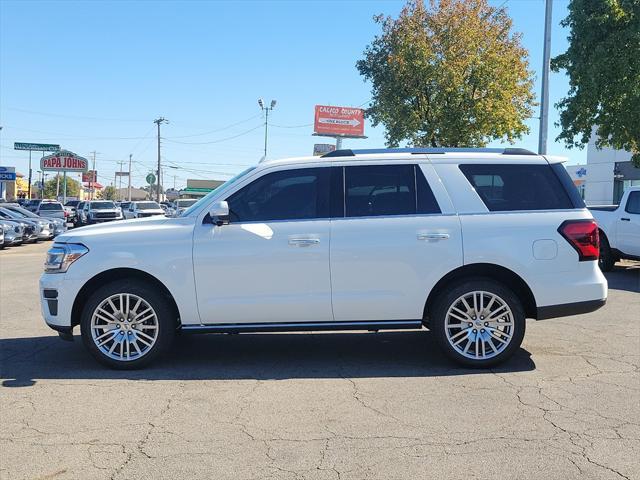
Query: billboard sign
{"type": "Point", "coordinates": [7, 174]}
{"type": "Point", "coordinates": [64, 161]}
{"type": "Point", "coordinates": [40, 147]}
{"type": "Point", "coordinates": [320, 149]}
{"type": "Point", "coordinates": [339, 121]}
{"type": "Point", "coordinates": [90, 176]}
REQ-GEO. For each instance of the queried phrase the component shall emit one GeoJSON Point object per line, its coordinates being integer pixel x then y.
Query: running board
{"type": "Point", "coordinates": [300, 326]}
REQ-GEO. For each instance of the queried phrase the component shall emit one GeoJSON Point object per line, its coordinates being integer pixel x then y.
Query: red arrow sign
{"type": "Point", "coordinates": [339, 121]}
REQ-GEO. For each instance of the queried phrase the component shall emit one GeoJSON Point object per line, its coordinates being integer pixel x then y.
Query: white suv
{"type": "Point", "coordinates": [467, 242]}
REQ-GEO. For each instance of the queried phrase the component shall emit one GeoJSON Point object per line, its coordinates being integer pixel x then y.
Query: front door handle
{"type": "Point", "coordinates": [433, 236]}
{"type": "Point", "coordinates": [303, 242]}
{"type": "Point", "coordinates": [625, 219]}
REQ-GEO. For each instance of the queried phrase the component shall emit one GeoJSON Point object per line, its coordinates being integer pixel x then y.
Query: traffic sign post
{"type": "Point", "coordinates": [338, 122]}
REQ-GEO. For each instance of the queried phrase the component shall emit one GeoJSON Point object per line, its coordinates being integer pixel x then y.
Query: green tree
{"type": "Point", "coordinates": [603, 65]}
{"type": "Point", "coordinates": [109, 193]}
{"type": "Point", "coordinates": [51, 187]}
{"type": "Point", "coordinates": [451, 74]}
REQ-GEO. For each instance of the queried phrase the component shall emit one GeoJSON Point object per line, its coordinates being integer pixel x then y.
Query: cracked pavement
{"type": "Point", "coordinates": [321, 406]}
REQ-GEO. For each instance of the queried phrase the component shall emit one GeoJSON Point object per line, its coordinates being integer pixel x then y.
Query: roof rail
{"type": "Point", "coordinates": [423, 150]}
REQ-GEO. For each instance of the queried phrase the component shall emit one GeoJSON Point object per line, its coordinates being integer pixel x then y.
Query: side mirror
{"type": "Point", "coordinates": [219, 213]}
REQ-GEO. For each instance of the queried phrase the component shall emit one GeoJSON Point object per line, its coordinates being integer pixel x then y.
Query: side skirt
{"type": "Point", "coordinates": [301, 326]}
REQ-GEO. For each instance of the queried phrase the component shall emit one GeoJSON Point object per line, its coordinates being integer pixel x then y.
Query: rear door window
{"type": "Point", "coordinates": [382, 190]}
{"type": "Point", "coordinates": [518, 187]}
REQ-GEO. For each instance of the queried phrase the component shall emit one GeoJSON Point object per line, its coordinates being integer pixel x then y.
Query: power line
{"type": "Point", "coordinates": [217, 129]}
{"type": "Point", "coordinates": [219, 140]}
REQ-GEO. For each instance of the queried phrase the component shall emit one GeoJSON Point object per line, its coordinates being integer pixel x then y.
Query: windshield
{"type": "Point", "coordinates": [22, 212]}
{"type": "Point", "coordinates": [9, 213]}
{"type": "Point", "coordinates": [50, 206]}
{"type": "Point", "coordinates": [224, 186]}
{"type": "Point", "coordinates": [101, 205]}
{"type": "Point", "coordinates": [147, 205]}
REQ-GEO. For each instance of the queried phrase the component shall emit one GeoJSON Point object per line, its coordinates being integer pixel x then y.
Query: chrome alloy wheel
{"type": "Point", "coordinates": [479, 325]}
{"type": "Point", "coordinates": [124, 327]}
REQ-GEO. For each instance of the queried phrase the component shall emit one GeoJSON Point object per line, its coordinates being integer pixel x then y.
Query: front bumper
{"type": "Point", "coordinates": [57, 294]}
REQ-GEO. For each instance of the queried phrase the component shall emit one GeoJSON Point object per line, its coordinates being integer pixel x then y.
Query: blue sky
{"type": "Point", "coordinates": [92, 76]}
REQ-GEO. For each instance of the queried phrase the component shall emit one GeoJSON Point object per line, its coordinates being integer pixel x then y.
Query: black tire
{"type": "Point", "coordinates": [450, 296]}
{"type": "Point", "coordinates": [606, 260]}
{"type": "Point", "coordinates": [166, 317]}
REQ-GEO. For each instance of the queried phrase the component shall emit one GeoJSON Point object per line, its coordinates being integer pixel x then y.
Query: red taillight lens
{"type": "Point", "coordinates": [583, 236]}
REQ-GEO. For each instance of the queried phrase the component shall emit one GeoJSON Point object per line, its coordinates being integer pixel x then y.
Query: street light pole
{"type": "Point", "coordinates": [544, 97]}
{"type": "Point", "coordinates": [158, 122]}
{"type": "Point", "coordinates": [129, 187]}
{"type": "Point", "coordinates": [266, 110]}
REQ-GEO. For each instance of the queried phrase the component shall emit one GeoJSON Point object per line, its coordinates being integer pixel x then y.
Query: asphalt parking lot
{"type": "Point", "coordinates": [321, 406]}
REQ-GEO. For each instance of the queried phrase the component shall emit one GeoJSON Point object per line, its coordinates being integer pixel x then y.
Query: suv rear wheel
{"type": "Point", "coordinates": [126, 324]}
{"type": "Point", "coordinates": [478, 323]}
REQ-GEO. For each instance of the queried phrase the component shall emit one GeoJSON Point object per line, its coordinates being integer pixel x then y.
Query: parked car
{"type": "Point", "coordinates": [468, 243]}
{"type": "Point", "coordinates": [619, 228]}
{"type": "Point", "coordinates": [181, 205]}
{"type": "Point", "coordinates": [71, 208]}
{"type": "Point", "coordinates": [100, 211]}
{"type": "Point", "coordinates": [143, 209]}
{"type": "Point", "coordinates": [1, 237]}
{"type": "Point", "coordinates": [13, 233]}
{"type": "Point", "coordinates": [29, 230]}
{"type": "Point", "coordinates": [53, 226]}
{"type": "Point", "coordinates": [44, 227]}
{"type": "Point", "coordinates": [32, 204]}
{"type": "Point", "coordinates": [51, 209]}
{"type": "Point", "coordinates": [79, 220]}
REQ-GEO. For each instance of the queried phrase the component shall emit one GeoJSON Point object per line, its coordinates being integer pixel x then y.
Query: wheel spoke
{"type": "Point", "coordinates": [110, 316]}
{"type": "Point", "coordinates": [464, 314]}
{"type": "Point", "coordinates": [466, 330]}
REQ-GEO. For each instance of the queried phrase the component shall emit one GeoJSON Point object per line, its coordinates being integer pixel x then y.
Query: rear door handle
{"type": "Point", "coordinates": [433, 236]}
{"type": "Point", "coordinates": [625, 219]}
{"type": "Point", "coordinates": [303, 242]}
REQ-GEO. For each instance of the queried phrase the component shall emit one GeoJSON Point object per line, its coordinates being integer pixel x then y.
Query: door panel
{"type": "Point", "coordinates": [383, 268]}
{"type": "Point", "coordinates": [628, 230]}
{"type": "Point", "coordinates": [263, 272]}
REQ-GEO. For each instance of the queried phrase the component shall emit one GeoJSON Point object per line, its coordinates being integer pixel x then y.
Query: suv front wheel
{"type": "Point", "coordinates": [126, 324]}
{"type": "Point", "coordinates": [478, 323]}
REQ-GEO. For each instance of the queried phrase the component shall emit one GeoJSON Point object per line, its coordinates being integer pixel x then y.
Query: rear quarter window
{"type": "Point", "coordinates": [509, 187]}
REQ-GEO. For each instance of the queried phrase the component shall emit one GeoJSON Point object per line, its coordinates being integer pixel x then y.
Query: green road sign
{"type": "Point", "coordinates": [151, 179]}
{"type": "Point", "coordinates": [40, 147]}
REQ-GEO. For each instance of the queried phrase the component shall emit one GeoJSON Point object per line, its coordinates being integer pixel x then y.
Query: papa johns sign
{"type": "Point", "coordinates": [64, 163]}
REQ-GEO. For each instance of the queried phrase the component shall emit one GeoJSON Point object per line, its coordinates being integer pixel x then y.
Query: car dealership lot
{"type": "Point", "coordinates": [334, 405]}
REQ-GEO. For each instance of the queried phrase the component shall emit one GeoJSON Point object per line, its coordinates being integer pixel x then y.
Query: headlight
{"type": "Point", "coordinates": [61, 255]}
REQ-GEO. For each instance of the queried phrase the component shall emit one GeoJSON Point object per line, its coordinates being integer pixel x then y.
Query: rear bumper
{"type": "Point", "coordinates": [567, 309]}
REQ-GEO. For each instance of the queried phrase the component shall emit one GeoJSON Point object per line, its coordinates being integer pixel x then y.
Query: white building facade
{"type": "Point", "coordinates": [608, 173]}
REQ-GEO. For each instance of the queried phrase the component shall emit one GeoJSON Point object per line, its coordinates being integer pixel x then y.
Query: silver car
{"type": "Point", "coordinates": [51, 209]}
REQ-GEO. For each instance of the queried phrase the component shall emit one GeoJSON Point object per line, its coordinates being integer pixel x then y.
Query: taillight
{"type": "Point", "coordinates": [583, 236]}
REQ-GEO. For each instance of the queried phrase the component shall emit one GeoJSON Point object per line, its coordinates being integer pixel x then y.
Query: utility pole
{"type": "Point", "coordinates": [266, 110]}
{"type": "Point", "coordinates": [119, 193]}
{"type": "Point", "coordinates": [544, 97]}
{"type": "Point", "coordinates": [129, 187]}
{"type": "Point", "coordinates": [91, 179]}
{"type": "Point", "coordinates": [158, 122]}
